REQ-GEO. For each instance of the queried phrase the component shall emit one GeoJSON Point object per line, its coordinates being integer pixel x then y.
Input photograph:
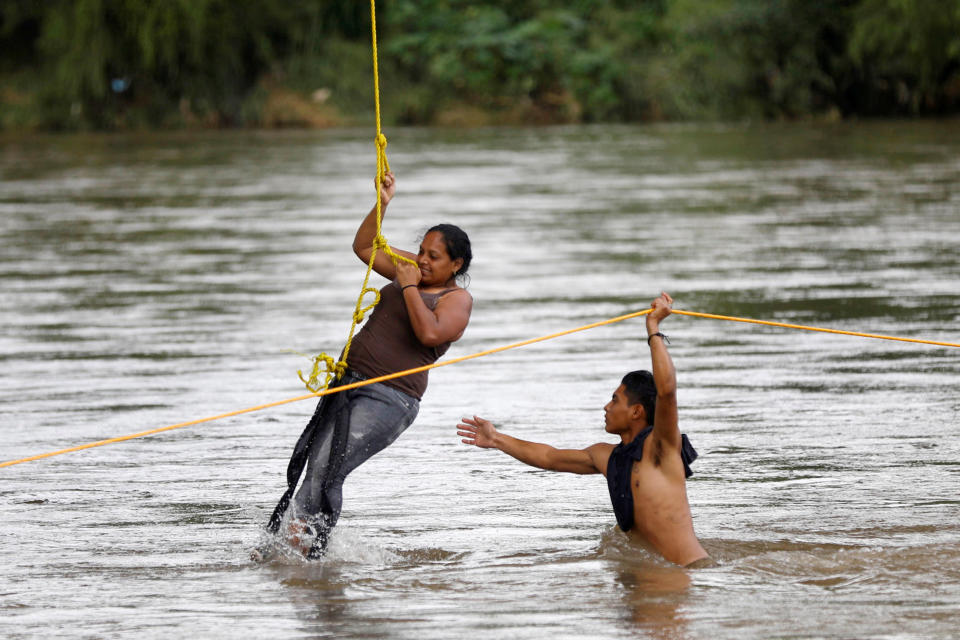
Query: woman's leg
{"type": "Point", "coordinates": [379, 414]}
{"type": "Point", "coordinates": [314, 448]}
{"type": "Point", "coordinates": [328, 406]}
{"type": "Point", "coordinates": [376, 417]}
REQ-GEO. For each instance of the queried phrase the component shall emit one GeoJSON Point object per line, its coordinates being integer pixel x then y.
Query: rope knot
{"type": "Point", "coordinates": [360, 312]}
{"type": "Point", "coordinates": [380, 242]}
{"type": "Point", "coordinates": [326, 366]}
{"type": "Point", "coordinates": [381, 141]}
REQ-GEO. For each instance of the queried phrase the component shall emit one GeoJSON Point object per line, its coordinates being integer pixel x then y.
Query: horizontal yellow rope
{"type": "Point", "coordinates": [768, 323]}
{"type": "Point", "coordinates": [471, 356]}
{"type": "Point", "coordinates": [325, 392]}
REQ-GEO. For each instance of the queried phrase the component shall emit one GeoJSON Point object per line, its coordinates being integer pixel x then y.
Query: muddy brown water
{"type": "Point", "coordinates": [148, 280]}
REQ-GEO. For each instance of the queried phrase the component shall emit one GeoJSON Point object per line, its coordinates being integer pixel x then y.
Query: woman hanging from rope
{"type": "Point", "coordinates": [421, 312]}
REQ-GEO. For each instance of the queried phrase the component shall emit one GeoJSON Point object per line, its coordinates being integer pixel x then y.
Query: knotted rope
{"type": "Point", "coordinates": [324, 364]}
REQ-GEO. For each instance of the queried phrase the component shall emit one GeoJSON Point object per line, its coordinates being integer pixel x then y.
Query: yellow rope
{"type": "Point", "coordinates": [712, 316]}
{"type": "Point", "coordinates": [479, 354]}
{"type": "Point", "coordinates": [323, 364]}
{"type": "Point", "coordinates": [326, 392]}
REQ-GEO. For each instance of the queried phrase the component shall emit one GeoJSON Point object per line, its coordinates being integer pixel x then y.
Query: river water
{"type": "Point", "coordinates": [149, 280]}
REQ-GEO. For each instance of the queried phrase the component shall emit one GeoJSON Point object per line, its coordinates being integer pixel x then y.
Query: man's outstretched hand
{"type": "Point", "coordinates": [477, 431]}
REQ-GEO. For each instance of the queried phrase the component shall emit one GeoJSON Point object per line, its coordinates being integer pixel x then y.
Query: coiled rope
{"type": "Point", "coordinates": [471, 356]}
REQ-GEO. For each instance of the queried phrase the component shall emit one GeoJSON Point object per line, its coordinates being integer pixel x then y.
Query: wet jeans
{"type": "Point", "coordinates": [347, 429]}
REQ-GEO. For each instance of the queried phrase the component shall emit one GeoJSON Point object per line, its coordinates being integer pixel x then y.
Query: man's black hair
{"type": "Point", "coordinates": [640, 389]}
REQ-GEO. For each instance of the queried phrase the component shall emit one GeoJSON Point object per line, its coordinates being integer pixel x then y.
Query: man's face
{"type": "Point", "coordinates": [619, 412]}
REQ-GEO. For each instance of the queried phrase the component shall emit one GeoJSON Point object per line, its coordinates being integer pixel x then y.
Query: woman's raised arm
{"type": "Point", "coordinates": [363, 241]}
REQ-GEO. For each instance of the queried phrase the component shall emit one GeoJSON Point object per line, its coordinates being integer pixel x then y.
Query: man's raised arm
{"type": "Point", "coordinates": [482, 433]}
{"type": "Point", "coordinates": [666, 426]}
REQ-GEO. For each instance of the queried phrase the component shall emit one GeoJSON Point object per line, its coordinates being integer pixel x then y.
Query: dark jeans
{"type": "Point", "coordinates": [347, 429]}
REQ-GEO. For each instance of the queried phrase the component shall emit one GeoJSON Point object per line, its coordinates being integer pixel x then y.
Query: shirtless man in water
{"type": "Point", "coordinates": [646, 473]}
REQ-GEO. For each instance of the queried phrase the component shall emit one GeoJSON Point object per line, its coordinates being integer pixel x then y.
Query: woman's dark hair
{"type": "Point", "coordinates": [640, 388]}
{"type": "Point", "coordinates": [457, 242]}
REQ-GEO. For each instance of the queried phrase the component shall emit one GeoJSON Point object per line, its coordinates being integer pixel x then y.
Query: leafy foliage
{"type": "Point", "coordinates": [192, 58]}
{"type": "Point", "coordinates": [565, 62]}
{"type": "Point", "coordinates": [909, 52]}
{"type": "Point", "coordinates": [142, 63]}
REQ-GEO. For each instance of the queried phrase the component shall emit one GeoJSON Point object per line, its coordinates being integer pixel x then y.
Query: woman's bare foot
{"type": "Point", "coordinates": [300, 536]}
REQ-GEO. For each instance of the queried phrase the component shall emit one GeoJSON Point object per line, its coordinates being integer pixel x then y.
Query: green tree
{"type": "Point", "coordinates": [909, 54]}
{"type": "Point", "coordinates": [105, 58]}
{"type": "Point", "coordinates": [110, 63]}
{"type": "Point", "coordinates": [756, 58]}
{"type": "Point", "coordinates": [566, 60]}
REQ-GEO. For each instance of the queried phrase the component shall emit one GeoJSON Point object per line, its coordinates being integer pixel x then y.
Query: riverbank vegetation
{"type": "Point", "coordinates": [134, 64]}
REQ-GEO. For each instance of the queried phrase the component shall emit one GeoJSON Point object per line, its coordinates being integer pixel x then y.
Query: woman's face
{"type": "Point", "coordinates": [436, 267]}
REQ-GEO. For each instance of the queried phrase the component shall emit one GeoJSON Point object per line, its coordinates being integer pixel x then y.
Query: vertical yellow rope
{"type": "Point", "coordinates": [324, 364]}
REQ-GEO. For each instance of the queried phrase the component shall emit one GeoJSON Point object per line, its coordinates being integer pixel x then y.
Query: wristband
{"type": "Point", "coordinates": [407, 285]}
{"type": "Point", "coordinates": [653, 335]}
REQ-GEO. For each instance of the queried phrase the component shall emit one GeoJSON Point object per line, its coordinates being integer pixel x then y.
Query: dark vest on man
{"type": "Point", "coordinates": [620, 465]}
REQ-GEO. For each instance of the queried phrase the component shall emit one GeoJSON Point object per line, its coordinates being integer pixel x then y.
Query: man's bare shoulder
{"type": "Point", "coordinates": [599, 454]}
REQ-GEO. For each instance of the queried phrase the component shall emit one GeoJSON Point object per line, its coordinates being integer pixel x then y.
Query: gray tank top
{"type": "Point", "coordinates": [387, 344]}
